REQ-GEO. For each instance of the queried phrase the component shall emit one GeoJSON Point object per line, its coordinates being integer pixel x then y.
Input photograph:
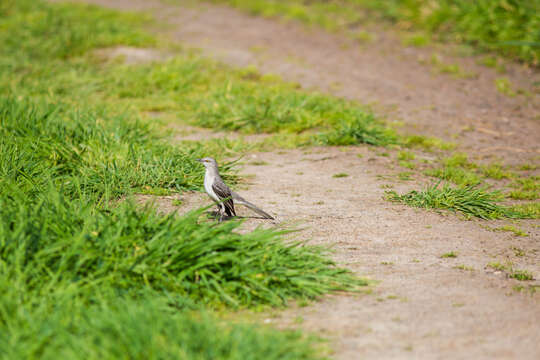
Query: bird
{"type": "Point", "coordinates": [221, 194]}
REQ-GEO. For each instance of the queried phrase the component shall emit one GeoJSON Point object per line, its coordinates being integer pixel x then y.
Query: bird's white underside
{"type": "Point", "coordinates": [208, 181]}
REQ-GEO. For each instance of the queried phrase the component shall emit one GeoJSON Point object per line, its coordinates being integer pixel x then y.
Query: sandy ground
{"type": "Point", "coordinates": [423, 306]}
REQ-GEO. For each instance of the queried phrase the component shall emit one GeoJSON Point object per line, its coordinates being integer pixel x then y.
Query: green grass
{"type": "Point", "coordinates": [509, 28]}
{"type": "Point", "coordinates": [459, 170]}
{"type": "Point", "coordinates": [529, 210]}
{"type": "Point", "coordinates": [470, 201]}
{"type": "Point", "coordinates": [504, 86]}
{"type": "Point", "coordinates": [88, 151]}
{"type": "Point", "coordinates": [525, 188]}
{"type": "Point", "coordinates": [439, 66]}
{"type": "Point", "coordinates": [456, 169]}
{"type": "Point", "coordinates": [340, 175]}
{"type": "Point", "coordinates": [450, 254]}
{"type": "Point", "coordinates": [426, 143]}
{"type": "Point", "coordinates": [497, 266]}
{"type": "Point", "coordinates": [148, 328]}
{"type": "Point", "coordinates": [496, 171]}
{"type": "Point", "coordinates": [510, 228]}
{"type": "Point", "coordinates": [521, 275]}
{"type": "Point", "coordinates": [84, 271]}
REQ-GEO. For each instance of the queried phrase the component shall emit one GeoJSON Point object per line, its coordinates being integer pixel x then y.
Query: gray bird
{"type": "Point", "coordinates": [221, 194]}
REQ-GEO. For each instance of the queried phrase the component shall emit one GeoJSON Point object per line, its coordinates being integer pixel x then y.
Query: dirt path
{"type": "Point", "coordinates": [423, 306]}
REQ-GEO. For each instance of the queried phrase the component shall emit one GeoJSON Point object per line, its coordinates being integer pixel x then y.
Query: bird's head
{"type": "Point", "coordinates": [208, 162]}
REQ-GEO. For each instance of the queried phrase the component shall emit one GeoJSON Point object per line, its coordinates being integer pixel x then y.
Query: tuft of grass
{"type": "Point", "coordinates": [510, 228]}
{"type": "Point", "coordinates": [470, 201]}
{"type": "Point", "coordinates": [497, 266]}
{"type": "Point", "coordinates": [528, 210]}
{"type": "Point", "coordinates": [532, 289]}
{"type": "Point", "coordinates": [351, 130]}
{"type": "Point", "coordinates": [456, 169]}
{"type": "Point", "coordinates": [492, 62]}
{"type": "Point", "coordinates": [340, 175]}
{"type": "Point", "coordinates": [405, 176]}
{"type": "Point", "coordinates": [177, 202]}
{"type": "Point", "coordinates": [450, 254]}
{"type": "Point", "coordinates": [438, 65]}
{"type": "Point", "coordinates": [525, 188]}
{"type": "Point", "coordinates": [407, 164]}
{"type": "Point", "coordinates": [496, 171]}
{"type": "Point", "coordinates": [504, 86]}
{"type": "Point", "coordinates": [426, 143]}
{"type": "Point", "coordinates": [521, 275]}
{"type": "Point", "coordinates": [528, 167]}
{"type": "Point", "coordinates": [406, 155]}
{"type": "Point", "coordinates": [417, 40]}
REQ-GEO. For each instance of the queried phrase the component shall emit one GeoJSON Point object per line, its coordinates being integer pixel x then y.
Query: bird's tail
{"type": "Point", "coordinates": [240, 200]}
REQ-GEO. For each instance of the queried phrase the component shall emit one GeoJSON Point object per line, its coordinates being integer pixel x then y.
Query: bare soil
{"type": "Point", "coordinates": [422, 306]}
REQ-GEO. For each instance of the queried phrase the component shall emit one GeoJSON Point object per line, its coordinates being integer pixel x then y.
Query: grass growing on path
{"type": "Point", "coordinates": [84, 273]}
{"type": "Point", "coordinates": [470, 201]}
{"type": "Point", "coordinates": [507, 27]}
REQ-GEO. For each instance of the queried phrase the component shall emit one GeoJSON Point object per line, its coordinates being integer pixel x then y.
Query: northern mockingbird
{"type": "Point", "coordinates": [221, 194]}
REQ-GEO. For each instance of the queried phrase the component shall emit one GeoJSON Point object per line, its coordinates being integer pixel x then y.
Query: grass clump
{"type": "Point", "coordinates": [458, 170]}
{"type": "Point", "coordinates": [521, 275]}
{"type": "Point", "coordinates": [510, 228]}
{"type": "Point", "coordinates": [504, 86]}
{"type": "Point", "coordinates": [525, 189]}
{"type": "Point", "coordinates": [497, 266]}
{"type": "Point", "coordinates": [426, 143]}
{"type": "Point", "coordinates": [470, 201]}
{"type": "Point", "coordinates": [406, 155]}
{"type": "Point", "coordinates": [496, 171]}
{"type": "Point", "coordinates": [450, 254]}
{"type": "Point", "coordinates": [528, 210]}
{"type": "Point", "coordinates": [340, 175]}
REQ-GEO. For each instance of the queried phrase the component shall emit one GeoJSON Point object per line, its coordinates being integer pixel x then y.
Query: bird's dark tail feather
{"type": "Point", "coordinates": [240, 200]}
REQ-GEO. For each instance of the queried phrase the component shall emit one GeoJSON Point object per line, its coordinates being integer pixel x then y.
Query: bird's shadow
{"type": "Point", "coordinates": [216, 215]}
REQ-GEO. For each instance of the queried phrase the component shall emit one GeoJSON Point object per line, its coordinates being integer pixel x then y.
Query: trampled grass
{"type": "Point", "coordinates": [84, 273]}
{"type": "Point", "coordinates": [507, 27]}
{"type": "Point", "coordinates": [470, 201]}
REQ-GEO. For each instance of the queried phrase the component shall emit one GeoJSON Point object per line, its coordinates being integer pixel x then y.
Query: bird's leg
{"type": "Point", "coordinates": [221, 212]}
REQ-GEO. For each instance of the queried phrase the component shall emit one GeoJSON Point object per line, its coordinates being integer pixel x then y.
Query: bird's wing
{"type": "Point", "coordinates": [223, 192]}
